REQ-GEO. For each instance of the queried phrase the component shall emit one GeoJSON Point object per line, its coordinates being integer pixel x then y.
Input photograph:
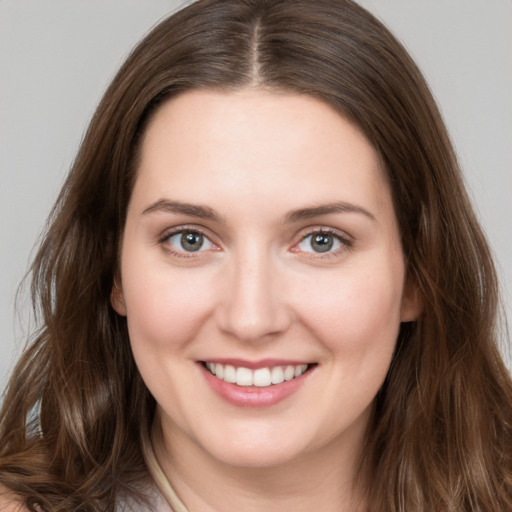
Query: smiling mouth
{"type": "Point", "coordinates": [261, 377]}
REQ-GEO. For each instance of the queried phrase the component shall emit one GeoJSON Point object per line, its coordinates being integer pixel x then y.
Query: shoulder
{"type": "Point", "coordinates": [9, 502]}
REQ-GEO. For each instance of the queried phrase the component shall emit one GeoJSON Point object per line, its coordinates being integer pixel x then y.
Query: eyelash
{"type": "Point", "coordinates": [345, 242]}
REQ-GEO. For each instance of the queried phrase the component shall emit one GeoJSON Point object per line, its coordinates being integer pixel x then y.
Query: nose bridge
{"type": "Point", "coordinates": [253, 306]}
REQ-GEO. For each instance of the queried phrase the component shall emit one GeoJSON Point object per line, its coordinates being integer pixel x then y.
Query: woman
{"type": "Point", "coordinates": [262, 286]}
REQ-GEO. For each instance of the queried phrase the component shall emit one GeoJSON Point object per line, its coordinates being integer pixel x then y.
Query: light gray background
{"type": "Point", "coordinates": [57, 57]}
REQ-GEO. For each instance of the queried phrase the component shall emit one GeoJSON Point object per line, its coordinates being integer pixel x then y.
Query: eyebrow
{"type": "Point", "coordinates": [205, 212]}
{"type": "Point", "coordinates": [326, 209]}
{"type": "Point", "coordinates": [193, 210]}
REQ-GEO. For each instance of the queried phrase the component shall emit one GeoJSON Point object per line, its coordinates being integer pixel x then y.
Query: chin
{"type": "Point", "coordinates": [256, 456]}
{"type": "Point", "coordinates": [255, 449]}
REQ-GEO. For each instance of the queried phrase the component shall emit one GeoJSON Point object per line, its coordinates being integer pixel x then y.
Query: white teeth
{"type": "Point", "coordinates": [300, 369]}
{"type": "Point", "coordinates": [277, 375]}
{"type": "Point", "coordinates": [262, 377]}
{"type": "Point", "coordinates": [229, 373]}
{"type": "Point", "coordinates": [244, 377]}
{"type": "Point", "coordinates": [289, 372]}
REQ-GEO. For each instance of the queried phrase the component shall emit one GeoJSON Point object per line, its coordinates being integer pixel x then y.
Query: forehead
{"type": "Point", "coordinates": [206, 146]}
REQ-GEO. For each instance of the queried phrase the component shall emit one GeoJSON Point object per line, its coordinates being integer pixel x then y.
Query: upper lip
{"type": "Point", "coordinates": [254, 365]}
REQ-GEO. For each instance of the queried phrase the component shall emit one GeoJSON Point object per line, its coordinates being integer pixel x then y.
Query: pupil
{"type": "Point", "coordinates": [322, 242]}
{"type": "Point", "coordinates": [191, 241]}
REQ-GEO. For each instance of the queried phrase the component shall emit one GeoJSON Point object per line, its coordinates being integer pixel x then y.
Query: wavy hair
{"type": "Point", "coordinates": [76, 413]}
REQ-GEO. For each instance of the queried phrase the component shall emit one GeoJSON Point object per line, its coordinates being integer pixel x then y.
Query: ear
{"type": "Point", "coordinates": [117, 298]}
{"type": "Point", "coordinates": [412, 301]}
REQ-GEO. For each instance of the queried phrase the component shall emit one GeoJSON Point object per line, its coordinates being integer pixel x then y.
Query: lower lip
{"type": "Point", "coordinates": [254, 396]}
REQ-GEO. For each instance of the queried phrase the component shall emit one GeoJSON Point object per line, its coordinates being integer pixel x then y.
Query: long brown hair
{"type": "Point", "coordinates": [76, 411]}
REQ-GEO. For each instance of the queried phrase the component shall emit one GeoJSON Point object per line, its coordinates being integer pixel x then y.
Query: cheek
{"type": "Point", "coordinates": [164, 309]}
{"type": "Point", "coordinates": [164, 313]}
{"type": "Point", "coordinates": [357, 312]}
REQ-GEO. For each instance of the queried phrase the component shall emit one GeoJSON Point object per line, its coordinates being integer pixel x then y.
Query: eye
{"type": "Point", "coordinates": [188, 241]}
{"type": "Point", "coordinates": [321, 242]}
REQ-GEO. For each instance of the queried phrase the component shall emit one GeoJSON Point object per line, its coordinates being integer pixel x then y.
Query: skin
{"type": "Point", "coordinates": [9, 502]}
{"type": "Point", "coordinates": [258, 289]}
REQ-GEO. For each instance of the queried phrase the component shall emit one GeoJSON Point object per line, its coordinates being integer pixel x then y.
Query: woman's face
{"type": "Point", "coordinates": [261, 245]}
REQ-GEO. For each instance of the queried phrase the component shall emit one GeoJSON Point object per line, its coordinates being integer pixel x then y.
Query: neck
{"type": "Point", "coordinates": [323, 479]}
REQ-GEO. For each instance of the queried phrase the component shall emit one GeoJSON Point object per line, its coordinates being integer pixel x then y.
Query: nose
{"type": "Point", "coordinates": [253, 306]}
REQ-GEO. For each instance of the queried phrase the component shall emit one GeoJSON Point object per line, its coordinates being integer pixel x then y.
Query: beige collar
{"type": "Point", "coordinates": [161, 481]}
